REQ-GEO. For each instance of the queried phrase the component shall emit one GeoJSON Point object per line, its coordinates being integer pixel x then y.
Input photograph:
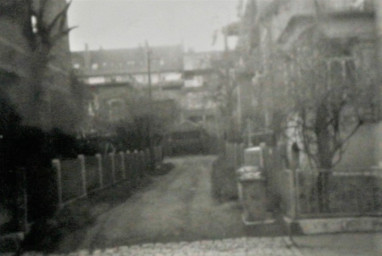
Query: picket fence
{"type": "Point", "coordinates": [77, 178]}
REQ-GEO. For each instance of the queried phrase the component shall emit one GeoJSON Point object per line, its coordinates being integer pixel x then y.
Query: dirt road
{"type": "Point", "coordinates": [175, 207]}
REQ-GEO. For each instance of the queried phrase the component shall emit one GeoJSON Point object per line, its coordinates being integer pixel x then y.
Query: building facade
{"type": "Point", "coordinates": [118, 76]}
{"type": "Point", "coordinates": [279, 39]}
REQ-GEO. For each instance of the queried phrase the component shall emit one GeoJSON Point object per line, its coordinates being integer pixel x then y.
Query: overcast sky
{"type": "Point", "coordinates": [114, 24]}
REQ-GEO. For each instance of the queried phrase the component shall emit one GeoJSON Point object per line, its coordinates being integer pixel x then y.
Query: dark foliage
{"type": "Point", "coordinates": [223, 180]}
{"type": "Point", "coordinates": [25, 157]}
{"type": "Point", "coordinates": [135, 135]}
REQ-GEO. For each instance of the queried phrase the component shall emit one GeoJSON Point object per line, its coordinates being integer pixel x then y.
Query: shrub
{"type": "Point", "coordinates": [223, 180]}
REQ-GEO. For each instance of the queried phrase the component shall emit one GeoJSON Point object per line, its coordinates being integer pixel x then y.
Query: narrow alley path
{"type": "Point", "coordinates": [175, 207]}
{"type": "Point", "coordinates": [178, 207]}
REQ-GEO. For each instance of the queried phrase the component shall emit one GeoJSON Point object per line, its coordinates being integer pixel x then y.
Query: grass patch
{"type": "Point", "coordinates": [223, 180]}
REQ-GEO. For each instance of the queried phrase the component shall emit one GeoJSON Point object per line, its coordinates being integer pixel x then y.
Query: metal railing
{"type": "Point", "coordinates": [351, 192]}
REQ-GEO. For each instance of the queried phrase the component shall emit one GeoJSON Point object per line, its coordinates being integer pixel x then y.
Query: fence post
{"type": "Point", "coordinates": [100, 175]}
{"type": "Point", "coordinates": [241, 160]}
{"type": "Point", "coordinates": [136, 164]}
{"type": "Point", "coordinates": [123, 166]}
{"type": "Point", "coordinates": [263, 154]}
{"type": "Point", "coordinates": [292, 194]}
{"type": "Point", "coordinates": [156, 155]}
{"type": "Point", "coordinates": [142, 161]}
{"type": "Point", "coordinates": [111, 155]}
{"type": "Point", "coordinates": [128, 165]}
{"type": "Point", "coordinates": [57, 167]}
{"type": "Point", "coordinates": [147, 160]}
{"type": "Point", "coordinates": [81, 158]}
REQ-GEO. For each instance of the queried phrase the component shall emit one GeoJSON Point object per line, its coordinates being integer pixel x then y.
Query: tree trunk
{"type": "Point", "coordinates": [39, 65]}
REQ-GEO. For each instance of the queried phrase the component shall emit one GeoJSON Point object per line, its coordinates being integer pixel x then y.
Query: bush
{"type": "Point", "coordinates": [223, 180]}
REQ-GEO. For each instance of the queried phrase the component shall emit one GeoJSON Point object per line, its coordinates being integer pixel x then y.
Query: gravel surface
{"type": "Point", "coordinates": [276, 246]}
{"type": "Point", "coordinates": [176, 207]}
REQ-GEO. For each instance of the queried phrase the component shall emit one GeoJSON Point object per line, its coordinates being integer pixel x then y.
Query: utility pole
{"type": "Point", "coordinates": [149, 125]}
{"type": "Point", "coordinates": [229, 120]}
{"type": "Point", "coordinates": [378, 31]}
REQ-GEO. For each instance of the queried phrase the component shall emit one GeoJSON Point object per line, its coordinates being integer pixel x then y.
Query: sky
{"type": "Point", "coordinates": [112, 24]}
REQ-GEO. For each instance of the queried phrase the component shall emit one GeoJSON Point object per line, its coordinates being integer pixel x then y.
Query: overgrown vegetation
{"type": "Point", "coordinates": [28, 137]}
{"type": "Point", "coordinates": [318, 92]}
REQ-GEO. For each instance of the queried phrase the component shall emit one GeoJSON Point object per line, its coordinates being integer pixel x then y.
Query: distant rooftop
{"type": "Point", "coordinates": [130, 61]}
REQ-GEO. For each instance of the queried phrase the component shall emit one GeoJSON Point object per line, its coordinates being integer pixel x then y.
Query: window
{"type": "Point", "coordinates": [34, 24]}
{"type": "Point", "coordinates": [95, 66]}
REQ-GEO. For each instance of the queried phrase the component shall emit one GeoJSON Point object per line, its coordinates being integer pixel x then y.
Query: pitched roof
{"type": "Point", "coordinates": [130, 61]}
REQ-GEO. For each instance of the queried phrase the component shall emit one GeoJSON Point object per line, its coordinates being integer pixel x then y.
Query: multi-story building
{"type": "Point", "coordinates": [289, 28]}
{"type": "Point", "coordinates": [116, 78]}
{"type": "Point", "coordinates": [102, 66]}
{"type": "Point", "coordinates": [200, 85]}
{"type": "Point", "coordinates": [186, 79]}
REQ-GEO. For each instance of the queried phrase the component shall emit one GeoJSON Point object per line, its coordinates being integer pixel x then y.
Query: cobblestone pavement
{"type": "Point", "coordinates": [238, 246]}
{"type": "Point", "coordinates": [354, 244]}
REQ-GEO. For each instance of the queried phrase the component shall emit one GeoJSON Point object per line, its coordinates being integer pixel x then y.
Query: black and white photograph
{"type": "Point", "coordinates": [190, 127]}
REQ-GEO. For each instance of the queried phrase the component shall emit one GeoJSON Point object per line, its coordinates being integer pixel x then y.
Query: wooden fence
{"type": "Point", "coordinates": [76, 178]}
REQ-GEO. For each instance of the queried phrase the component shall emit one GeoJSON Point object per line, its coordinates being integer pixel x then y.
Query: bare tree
{"type": "Point", "coordinates": [328, 100]}
{"type": "Point", "coordinates": [43, 34]}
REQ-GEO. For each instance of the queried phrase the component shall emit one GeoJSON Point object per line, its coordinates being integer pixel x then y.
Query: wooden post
{"type": "Point", "coordinates": [128, 165]}
{"type": "Point", "coordinates": [263, 154]}
{"type": "Point", "coordinates": [150, 128]}
{"type": "Point", "coordinates": [235, 156]}
{"type": "Point", "coordinates": [111, 155]}
{"type": "Point", "coordinates": [81, 158]}
{"type": "Point", "coordinates": [293, 180]}
{"type": "Point", "coordinates": [142, 161]}
{"type": "Point", "coordinates": [136, 164]}
{"type": "Point", "coordinates": [57, 167]}
{"type": "Point", "coordinates": [149, 162]}
{"type": "Point", "coordinates": [378, 29]}
{"type": "Point", "coordinates": [242, 146]}
{"type": "Point", "coordinates": [100, 175]}
{"type": "Point", "coordinates": [291, 204]}
{"type": "Point", "coordinates": [156, 155]}
{"type": "Point", "coordinates": [122, 155]}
